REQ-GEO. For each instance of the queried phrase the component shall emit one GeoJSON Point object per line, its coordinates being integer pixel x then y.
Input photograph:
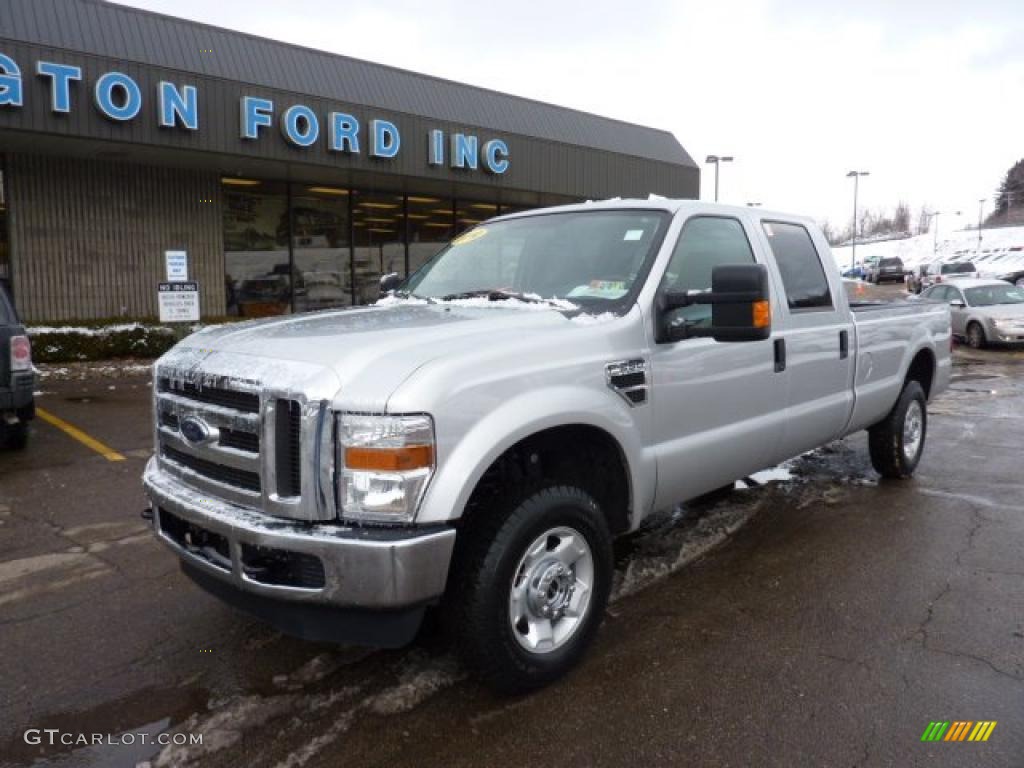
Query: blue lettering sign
{"type": "Point", "coordinates": [255, 114]}
{"type": "Point", "coordinates": [496, 156]}
{"type": "Point", "coordinates": [10, 82]}
{"type": "Point", "coordinates": [435, 155]}
{"type": "Point", "coordinates": [300, 126]}
{"type": "Point", "coordinates": [178, 106]}
{"type": "Point", "coordinates": [60, 76]}
{"type": "Point", "coordinates": [385, 139]}
{"type": "Point", "coordinates": [127, 104]}
{"type": "Point", "coordinates": [464, 151]}
{"type": "Point", "coordinates": [344, 133]}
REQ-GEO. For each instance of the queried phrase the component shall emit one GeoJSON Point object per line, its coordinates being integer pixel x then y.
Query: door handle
{"type": "Point", "coordinates": [780, 355]}
{"type": "Point", "coordinates": [844, 345]}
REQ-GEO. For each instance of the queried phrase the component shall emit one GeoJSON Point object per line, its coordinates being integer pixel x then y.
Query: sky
{"type": "Point", "coordinates": [926, 96]}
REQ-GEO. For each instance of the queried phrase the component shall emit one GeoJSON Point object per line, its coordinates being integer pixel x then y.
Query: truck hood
{"type": "Point", "coordinates": [371, 350]}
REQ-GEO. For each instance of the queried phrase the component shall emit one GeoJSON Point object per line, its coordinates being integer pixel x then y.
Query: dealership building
{"type": "Point", "coordinates": [290, 178]}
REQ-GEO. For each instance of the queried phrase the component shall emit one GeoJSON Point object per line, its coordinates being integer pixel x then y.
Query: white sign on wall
{"type": "Point", "coordinates": [179, 302]}
{"type": "Point", "coordinates": [177, 266]}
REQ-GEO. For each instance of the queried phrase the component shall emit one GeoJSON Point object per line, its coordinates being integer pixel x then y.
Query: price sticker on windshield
{"type": "Point", "coordinates": [469, 237]}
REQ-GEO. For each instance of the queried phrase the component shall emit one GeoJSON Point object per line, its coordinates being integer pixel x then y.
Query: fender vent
{"type": "Point", "coordinates": [629, 379]}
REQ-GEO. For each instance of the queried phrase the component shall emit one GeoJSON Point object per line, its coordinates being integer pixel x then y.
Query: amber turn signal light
{"type": "Point", "coordinates": [390, 459]}
{"type": "Point", "coordinates": [762, 314]}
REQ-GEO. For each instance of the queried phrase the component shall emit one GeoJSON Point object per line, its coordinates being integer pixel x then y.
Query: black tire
{"type": "Point", "coordinates": [479, 614]}
{"type": "Point", "coordinates": [890, 456]}
{"type": "Point", "coordinates": [14, 437]}
{"type": "Point", "coordinates": [976, 336]}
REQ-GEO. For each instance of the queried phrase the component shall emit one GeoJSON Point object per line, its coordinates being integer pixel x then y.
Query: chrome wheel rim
{"type": "Point", "coordinates": [913, 430]}
{"type": "Point", "coordinates": [550, 591]}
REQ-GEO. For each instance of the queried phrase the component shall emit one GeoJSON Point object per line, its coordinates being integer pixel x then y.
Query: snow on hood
{"type": "Point", "coordinates": [368, 351]}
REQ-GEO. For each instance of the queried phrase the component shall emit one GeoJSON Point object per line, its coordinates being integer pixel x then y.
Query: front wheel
{"type": "Point", "coordinates": [975, 336]}
{"type": "Point", "coordinates": [532, 589]}
{"type": "Point", "coordinates": [897, 442]}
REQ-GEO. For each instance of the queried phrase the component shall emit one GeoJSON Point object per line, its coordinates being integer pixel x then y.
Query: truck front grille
{"type": "Point", "coordinates": [241, 441]}
{"type": "Point", "coordinates": [288, 431]}
{"type": "Point", "coordinates": [246, 402]}
{"type": "Point", "coordinates": [219, 473]}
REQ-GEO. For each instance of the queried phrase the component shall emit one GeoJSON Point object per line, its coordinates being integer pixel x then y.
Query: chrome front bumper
{"type": "Point", "coordinates": [363, 567]}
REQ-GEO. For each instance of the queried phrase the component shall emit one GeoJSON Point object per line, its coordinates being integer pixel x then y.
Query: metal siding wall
{"type": "Point", "coordinates": [88, 236]}
{"type": "Point", "coordinates": [539, 165]}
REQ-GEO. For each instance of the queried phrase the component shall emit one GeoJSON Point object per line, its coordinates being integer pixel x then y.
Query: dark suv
{"type": "Point", "coordinates": [890, 268]}
{"type": "Point", "coordinates": [17, 379]}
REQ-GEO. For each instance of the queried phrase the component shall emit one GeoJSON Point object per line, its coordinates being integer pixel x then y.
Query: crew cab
{"type": "Point", "coordinates": [17, 377]}
{"type": "Point", "coordinates": [476, 439]}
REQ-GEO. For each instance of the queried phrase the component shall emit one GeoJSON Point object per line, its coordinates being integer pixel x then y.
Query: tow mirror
{"type": "Point", "coordinates": [389, 283]}
{"type": "Point", "coordinates": [740, 306]}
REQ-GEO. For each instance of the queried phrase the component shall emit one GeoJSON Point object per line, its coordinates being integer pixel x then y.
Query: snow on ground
{"type": "Point", "coordinates": [920, 249]}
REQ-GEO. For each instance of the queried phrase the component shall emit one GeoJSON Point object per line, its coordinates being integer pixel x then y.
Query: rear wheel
{"type": "Point", "coordinates": [975, 336]}
{"type": "Point", "coordinates": [531, 588]}
{"type": "Point", "coordinates": [897, 442]}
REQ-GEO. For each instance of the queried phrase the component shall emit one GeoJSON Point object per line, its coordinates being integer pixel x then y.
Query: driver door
{"type": "Point", "coordinates": [718, 408]}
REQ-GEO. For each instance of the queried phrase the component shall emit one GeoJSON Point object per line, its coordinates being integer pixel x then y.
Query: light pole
{"type": "Point", "coordinates": [717, 160]}
{"type": "Point", "coordinates": [855, 175]}
{"type": "Point", "coordinates": [981, 220]}
{"type": "Point", "coordinates": [935, 223]}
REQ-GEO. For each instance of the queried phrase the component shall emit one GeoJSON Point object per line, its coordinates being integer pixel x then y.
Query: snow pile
{"type": "Point", "coordinates": [96, 330]}
{"type": "Point", "coordinates": [921, 249]}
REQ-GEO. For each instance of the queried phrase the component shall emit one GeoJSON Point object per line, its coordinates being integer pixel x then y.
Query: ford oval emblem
{"type": "Point", "coordinates": [196, 431]}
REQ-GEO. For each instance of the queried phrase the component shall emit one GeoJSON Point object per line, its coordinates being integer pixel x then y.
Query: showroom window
{"type": "Point", "coordinates": [257, 261]}
{"type": "Point", "coordinates": [378, 229]}
{"type": "Point", "coordinates": [431, 227]}
{"type": "Point", "coordinates": [321, 247]}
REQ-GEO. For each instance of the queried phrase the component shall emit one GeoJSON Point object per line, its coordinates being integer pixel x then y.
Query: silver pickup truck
{"type": "Point", "coordinates": [476, 439]}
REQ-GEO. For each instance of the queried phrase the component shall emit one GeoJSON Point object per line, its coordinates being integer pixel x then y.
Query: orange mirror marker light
{"type": "Point", "coordinates": [762, 314]}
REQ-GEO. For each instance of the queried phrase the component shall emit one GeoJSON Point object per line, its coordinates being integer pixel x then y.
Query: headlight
{"type": "Point", "coordinates": [386, 463]}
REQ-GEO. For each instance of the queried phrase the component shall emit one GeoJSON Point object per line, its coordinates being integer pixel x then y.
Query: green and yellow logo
{"type": "Point", "coordinates": [958, 730]}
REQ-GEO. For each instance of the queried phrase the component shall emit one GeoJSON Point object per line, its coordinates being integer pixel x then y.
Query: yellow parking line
{"type": "Point", "coordinates": [90, 442]}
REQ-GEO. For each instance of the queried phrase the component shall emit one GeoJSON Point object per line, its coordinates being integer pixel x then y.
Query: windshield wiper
{"type": "Point", "coordinates": [500, 294]}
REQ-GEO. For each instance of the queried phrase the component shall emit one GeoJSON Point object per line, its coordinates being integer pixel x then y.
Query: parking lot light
{"type": "Point", "coordinates": [717, 160]}
{"type": "Point", "coordinates": [855, 175]}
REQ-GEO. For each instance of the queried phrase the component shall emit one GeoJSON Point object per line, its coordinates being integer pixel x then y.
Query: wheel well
{"type": "Point", "coordinates": [922, 370]}
{"type": "Point", "coordinates": [577, 454]}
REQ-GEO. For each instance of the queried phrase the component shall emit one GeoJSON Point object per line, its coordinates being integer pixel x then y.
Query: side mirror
{"type": "Point", "coordinates": [740, 306]}
{"type": "Point", "coordinates": [957, 303]}
{"type": "Point", "coordinates": [389, 282]}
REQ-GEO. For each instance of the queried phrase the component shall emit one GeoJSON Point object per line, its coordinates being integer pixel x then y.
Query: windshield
{"type": "Point", "coordinates": [989, 295]}
{"type": "Point", "coordinates": [591, 258]}
{"type": "Point", "coordinates": [956, 269]}
{"type": "Point", "coordinates": [891, 263]}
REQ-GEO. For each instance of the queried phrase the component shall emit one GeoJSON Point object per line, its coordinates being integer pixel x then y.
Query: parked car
{"type": "Point", "coordinates": [543, 384]}
{"type": "Point", "coordinates": [941, 271]}
{"type": "Point", "coordinates": [856, 272]}
{"type": "Point", "coordinates": [17, 376]}
{"type": "Point", "coordinates": [883, 270]}
{"type": "Point", "coordinates": [984, 311]}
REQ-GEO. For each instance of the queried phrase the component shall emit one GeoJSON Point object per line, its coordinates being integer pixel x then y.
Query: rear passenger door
{"type": "Point", "coordinates": [816, 339]}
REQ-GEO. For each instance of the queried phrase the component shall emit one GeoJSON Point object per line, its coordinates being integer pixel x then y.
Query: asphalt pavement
{"type": "Point", "coordinates": [825, 619]}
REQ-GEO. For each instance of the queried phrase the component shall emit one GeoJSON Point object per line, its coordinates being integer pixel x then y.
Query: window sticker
{"type": "Point", "coordinates": [599, 289]}
{"type": "Point", "coordinates": [633, 234]}
{"type": "Point", "coordinates": [469, 237]}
